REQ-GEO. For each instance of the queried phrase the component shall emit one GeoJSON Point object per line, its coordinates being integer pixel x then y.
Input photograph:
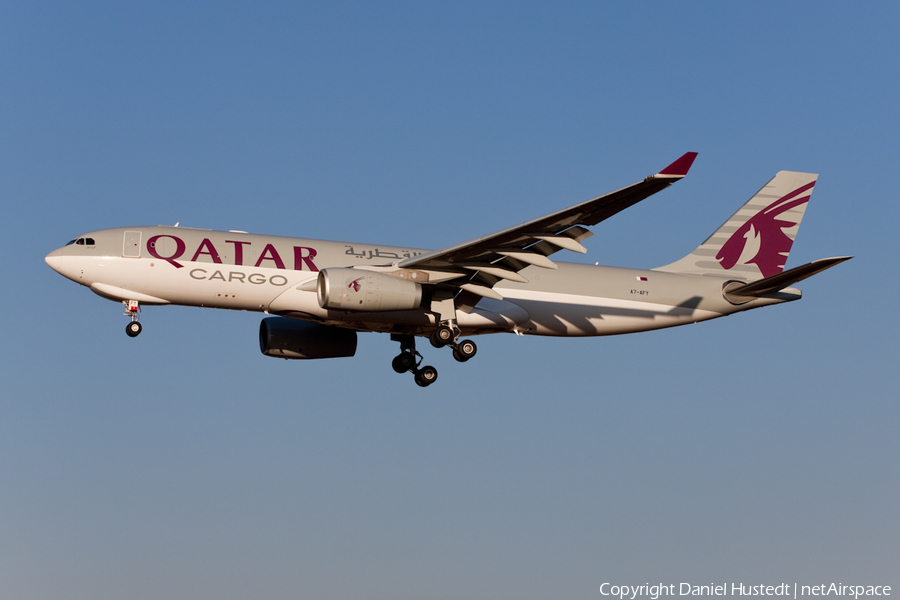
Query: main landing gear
{"type": "Point", "coordinates": [406, 361]}
{"type": "Point", "coordinates": [464, 350]}
{"type": "Point", "coordinates": [446, 336]}
{"type": "Point", "coordinates": [442, 336]}
{"type": "Point", "coordinates": [132, 308]}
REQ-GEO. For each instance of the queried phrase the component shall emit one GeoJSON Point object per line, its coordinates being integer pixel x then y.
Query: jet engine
{"type": "Point", "coordinates": [368, 291]}
{"type": "Point", "coordinates": [288, 338]}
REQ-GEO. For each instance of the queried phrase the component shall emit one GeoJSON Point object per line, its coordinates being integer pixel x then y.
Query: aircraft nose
{"type": "Point", "coordinates": [62, 264]}
{"type": "Point", "coordinates": [55, 261]}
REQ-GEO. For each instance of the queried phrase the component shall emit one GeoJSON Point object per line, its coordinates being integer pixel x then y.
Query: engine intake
{"type": "Point", "coordinates": [366, 291]}
{"type": "Point", "coordinates": [281, 337]}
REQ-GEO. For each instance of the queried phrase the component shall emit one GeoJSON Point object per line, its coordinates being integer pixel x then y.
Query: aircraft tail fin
{"type": "Point", "coordinates": [754, 243]}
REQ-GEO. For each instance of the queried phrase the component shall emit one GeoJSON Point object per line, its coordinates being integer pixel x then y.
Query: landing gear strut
{"type": "Point", "coordinates": [132, 308]}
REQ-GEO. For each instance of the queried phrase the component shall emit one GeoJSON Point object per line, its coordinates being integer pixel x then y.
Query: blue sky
{"type": "Point", "coordinates": [184, 464]}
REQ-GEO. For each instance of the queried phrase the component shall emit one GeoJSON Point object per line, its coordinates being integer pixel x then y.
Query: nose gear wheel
{"type": "Point", "coordinates": [132, 308]}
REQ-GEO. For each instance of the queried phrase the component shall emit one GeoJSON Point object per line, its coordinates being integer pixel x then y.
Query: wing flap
{"type": "Point", "coordinates": [481, 290]}
{"type": "Point", "coordinates": [531, 258]}
{"type": "Point", "coordinates": [563, 241]}
{"type": "Point", "coordinates": [497, 272]}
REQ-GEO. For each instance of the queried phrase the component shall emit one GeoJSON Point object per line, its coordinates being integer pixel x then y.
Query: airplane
{"type": "Point", "coordinates": [321, 293]}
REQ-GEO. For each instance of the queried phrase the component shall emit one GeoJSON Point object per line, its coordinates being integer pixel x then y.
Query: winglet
{"type": "Point", "coordinates": [680, 167]}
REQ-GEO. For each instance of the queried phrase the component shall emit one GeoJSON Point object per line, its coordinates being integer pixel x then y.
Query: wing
{"type": "Point", "coordinates": [482, 262]}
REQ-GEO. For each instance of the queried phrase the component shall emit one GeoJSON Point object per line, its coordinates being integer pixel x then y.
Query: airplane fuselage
{"type": "Point", "coordinates": [277, 275]}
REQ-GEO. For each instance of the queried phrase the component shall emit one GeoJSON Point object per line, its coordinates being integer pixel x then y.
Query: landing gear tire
{"type": "Point", "coordinates": [465, 350]}
{"type": "Point", "coordinates": [133, 329]}
{"type": "Point", "coordinates": [403, 362]}
{"type": "Point", "coordinates": [441, 336]}
{"type": "Point", "coordinates": [426, 376]}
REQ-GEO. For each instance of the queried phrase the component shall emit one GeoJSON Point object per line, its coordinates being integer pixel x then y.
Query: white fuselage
{"type": "Point", "coordinates": [277, 275]}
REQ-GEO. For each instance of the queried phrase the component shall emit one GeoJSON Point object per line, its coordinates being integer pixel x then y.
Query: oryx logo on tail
{"type": "Point", "coordinates": [755, 241]}
{"type": "Point", "coordinates": [761, 240]}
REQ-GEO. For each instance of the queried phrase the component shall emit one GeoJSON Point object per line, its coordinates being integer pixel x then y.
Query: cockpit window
{"type": "Point", "coordinates": [89, 241]}
{"type": "Point", "coordinates": [70, 242]}
{"type": "Point", "coordinates": [80, 242]}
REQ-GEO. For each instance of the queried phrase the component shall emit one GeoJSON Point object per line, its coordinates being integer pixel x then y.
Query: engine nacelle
{"type": "Point", "coordinates": [288, 338]}
{"type": "Point", "coordinates": [367, 291]}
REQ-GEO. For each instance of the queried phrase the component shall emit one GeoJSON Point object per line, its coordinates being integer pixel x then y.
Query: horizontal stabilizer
{"type": "Point", "coordinates": [776, 283]}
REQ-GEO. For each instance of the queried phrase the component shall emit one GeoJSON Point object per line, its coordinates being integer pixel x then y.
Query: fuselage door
{"type": "Point", "coordinates": [131, 247]}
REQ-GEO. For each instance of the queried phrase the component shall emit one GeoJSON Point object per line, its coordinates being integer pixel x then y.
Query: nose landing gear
{"type": "Point", "coordinates": [132, 308]}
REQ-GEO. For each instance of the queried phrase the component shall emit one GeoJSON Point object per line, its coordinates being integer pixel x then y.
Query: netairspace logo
{"type": "Point", "coordinates": [654, 592]}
